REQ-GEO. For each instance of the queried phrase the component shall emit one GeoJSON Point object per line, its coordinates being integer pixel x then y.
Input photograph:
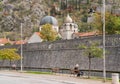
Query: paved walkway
{"type": "Point", "coordinates": [57, 78]}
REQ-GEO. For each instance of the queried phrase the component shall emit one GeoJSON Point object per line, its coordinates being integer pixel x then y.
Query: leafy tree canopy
{"type": "Point", "coordinates": [9, 54]}
{"type": "Point", "coordinates": [1, 6]}
{"type": "Point", "coordinates": [47, 33]}
{"type": "Point", "coordinates": [93, 50]}
{"type": "Point", "coordinates": [112, 23]}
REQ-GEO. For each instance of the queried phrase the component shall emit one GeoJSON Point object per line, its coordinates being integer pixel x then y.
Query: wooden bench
{"type": "Point", "coordinates": [76, 72]}
{"type": "Point", "coordinates": [55, 70]}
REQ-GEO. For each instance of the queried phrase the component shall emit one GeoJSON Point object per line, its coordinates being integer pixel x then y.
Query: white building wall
{"type": "Point", "coordinates": [55, 28]}
{"type": "Point", "coordinates": [35, 39]}
{"type": "Point", "coordinates": [68, 30]}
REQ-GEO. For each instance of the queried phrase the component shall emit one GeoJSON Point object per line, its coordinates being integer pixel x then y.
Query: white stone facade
{"type": "Point", "coordinates": [35, 38]}
{"type": "Point", "coordinates": [68, 28]}
{"type": "Point", "coordinates": [66, 31]}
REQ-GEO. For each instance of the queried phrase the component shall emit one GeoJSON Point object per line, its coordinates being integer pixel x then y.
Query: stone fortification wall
{"type": "Point", "coordinates": [65, 54]}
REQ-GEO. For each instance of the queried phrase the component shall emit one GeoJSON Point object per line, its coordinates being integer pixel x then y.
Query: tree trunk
{"type": "Point", "coordinates": [76, 4]}
{"type": "Point", "coordinates": [10, 65]}
{"type": "Point", "coordinates": [79, 4]}
{"type": "Point", "coordinates": [66, 4]}
{"type": "Point", "coordinates": [88, 1]}
{"type": "Point", "coordinates": [2, 63]}
{"type": "Point", "coordinates": [89, 71]}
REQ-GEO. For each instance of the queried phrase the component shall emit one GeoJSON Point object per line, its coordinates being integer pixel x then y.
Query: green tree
{"type": "Point", "coordinates": [112, 24]}
{"type": "Point", "coordinates": [92, 51]}
{"type": "Point", "coordinates": [8, 44]}
{"type": "Point", "coordinates": [9, 54]}
{"type": "Point", "coordinates": [47, 33]}
{"type": "Point", "coordinates": [88, 1]}
{"type": "Point", "coordinates": [97, 24]}
{"type": "Point", "coordinates": [1, 6]}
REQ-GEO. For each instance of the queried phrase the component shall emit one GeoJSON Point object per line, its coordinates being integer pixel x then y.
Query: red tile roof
{"type": "Point", "coordinates": [4, 41]}
{"type": "Point", "coordinates": [20, 42]}
{"type": "Point", "coordinates": [86, 34]}
{"type": "Point", "coordinates": [38, 33]}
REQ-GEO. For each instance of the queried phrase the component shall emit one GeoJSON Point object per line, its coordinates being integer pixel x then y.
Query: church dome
{"type": "Point", "coordinates": [68, 19]}
{"type": "Point", "coordinates": [49, 20]}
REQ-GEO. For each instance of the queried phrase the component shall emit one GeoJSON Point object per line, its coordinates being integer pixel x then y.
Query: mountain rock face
{"type": "Point", "coordinates": [30, 12]}
{"type": "Point", "coordinates": [15, 12]}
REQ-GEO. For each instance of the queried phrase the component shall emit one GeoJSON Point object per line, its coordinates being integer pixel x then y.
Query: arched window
{"type": "Point", "coordinates": [65, 25]}
{"type": "Point", "coordinates": [70, 26]}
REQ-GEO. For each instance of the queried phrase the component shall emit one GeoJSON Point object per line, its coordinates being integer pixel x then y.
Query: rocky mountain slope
{"type": "Point", "coordinates": [30, 12]}
{"type": "Point", "coordinates": [15, 12]}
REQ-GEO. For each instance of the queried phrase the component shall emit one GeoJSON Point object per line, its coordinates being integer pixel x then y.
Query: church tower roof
{"type": "Point", "coordinates": [68, 19]}
{"type": "Point", "coordinates": [49, 19]}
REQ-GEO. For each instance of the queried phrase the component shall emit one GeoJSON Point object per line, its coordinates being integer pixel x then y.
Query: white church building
{"type": "Point", "coordinates": [65, 31]}
{"type": "Point", "coordinates": [68, 30]}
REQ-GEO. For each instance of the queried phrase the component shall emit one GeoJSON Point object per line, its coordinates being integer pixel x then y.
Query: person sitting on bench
{"type": "Point", "coordinates": [76, 70]}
